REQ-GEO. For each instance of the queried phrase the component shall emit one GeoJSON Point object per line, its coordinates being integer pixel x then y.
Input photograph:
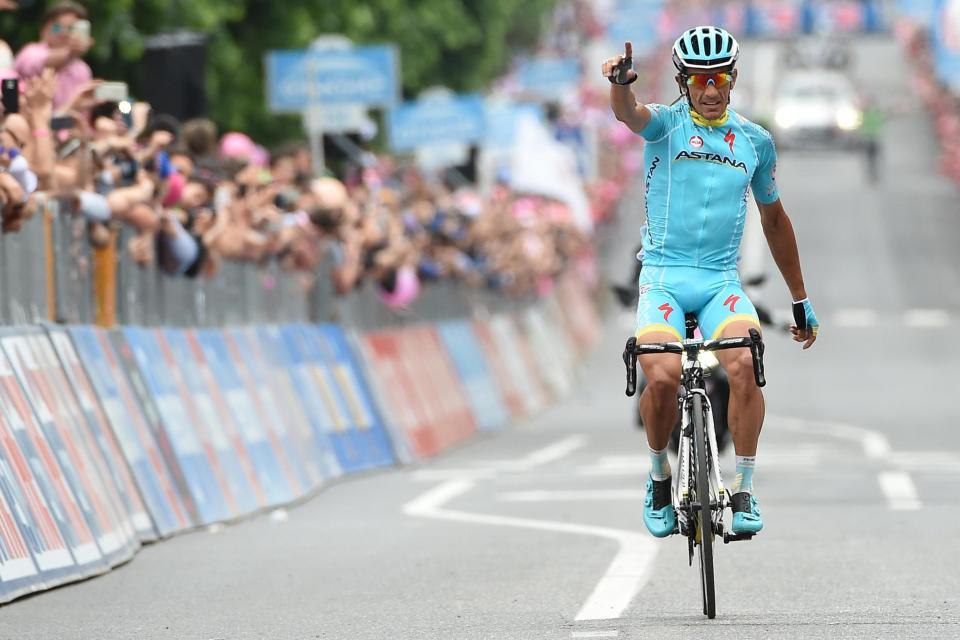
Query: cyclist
{"type": "Point", "coordinates": [701, 158]}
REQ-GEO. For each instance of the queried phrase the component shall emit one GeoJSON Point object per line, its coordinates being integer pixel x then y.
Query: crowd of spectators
{"type": "Point", "coordinates": [943, 102]}
{"type": "Point", "coordinates": [184, 197]}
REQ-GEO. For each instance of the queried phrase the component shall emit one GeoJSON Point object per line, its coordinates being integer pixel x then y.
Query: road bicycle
{"type": "Point", "coordinates": [699, 496]}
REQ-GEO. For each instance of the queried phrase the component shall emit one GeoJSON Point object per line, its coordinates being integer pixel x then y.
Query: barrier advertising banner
{"type": "Point", "coordinates": [471, 363]}
{"type": "Point", "coordinates": [523, 370]}
{"type": "Point", "coordinates": [548, 353]}
{"type": "Point", "coordinates": [86, 456]}
{"type": "Point", "coordinates": [212, 420]}
{"type": "Point", "coordinates": [329, 415]}
{"type": "Point", "coordinates": [289, 424]}
{"type": "Point", "coordinates": [365, 422]}
{"type": "Point", "coordinates": [295, 381]}
{"type": "Point", "coordinates": [510, 389]}
{"type": "Point", "coordinates": [65, 548]}
{"type": "Point", "coordinates": [211, 350]}
{"type": "Point", "coordinates": [82, 489]}
{"type": "Point", "coordinates": [408, 413]}
{"type": "Point", "coordinates": [18, 530]}
{"type": "Point", "coordinates": [126, 416]}
{"type": "Point", "coordinates": [116, 466]}
{"type": "Point", "coordinates": [196, 456]}
{"type": "Point", "coordinates": [434, 374]}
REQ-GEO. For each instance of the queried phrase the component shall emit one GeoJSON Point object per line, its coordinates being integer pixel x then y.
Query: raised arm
{"type": "Point", "coordinates": [624, 104]}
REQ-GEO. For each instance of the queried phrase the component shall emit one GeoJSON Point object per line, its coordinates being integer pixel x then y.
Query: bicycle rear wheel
{"type": "Point", "coordinates": [703, 513]}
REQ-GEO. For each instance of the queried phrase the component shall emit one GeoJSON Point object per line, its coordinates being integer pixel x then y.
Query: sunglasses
{"type": "Point", "coordinates": [703, 80]}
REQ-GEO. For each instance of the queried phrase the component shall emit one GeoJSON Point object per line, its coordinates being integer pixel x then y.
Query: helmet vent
{"type": "Point", "coordinates": [696, 45]}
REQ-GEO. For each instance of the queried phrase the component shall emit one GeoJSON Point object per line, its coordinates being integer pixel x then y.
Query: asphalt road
{"type": "Point", "coordinates": [537, 533]}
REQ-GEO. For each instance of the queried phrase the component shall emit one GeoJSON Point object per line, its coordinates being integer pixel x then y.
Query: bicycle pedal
{"type": "Point", "coordinates": [736, 537]}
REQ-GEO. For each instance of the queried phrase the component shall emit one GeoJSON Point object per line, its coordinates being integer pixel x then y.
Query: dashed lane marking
{"type": "Point", "coordinates": [572, 496]}
{"type": "Point", "coordinates": [599, 633]}
{"type": "Point", "coordinates": [899, 490]}
{"type": "Point", "coordinates": [855, 318]}
{"type": "Point", "coordinates": [926, 318]}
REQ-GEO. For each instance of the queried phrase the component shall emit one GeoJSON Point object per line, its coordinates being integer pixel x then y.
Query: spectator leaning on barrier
{"type": "Point", "coordinates": [64, 40]}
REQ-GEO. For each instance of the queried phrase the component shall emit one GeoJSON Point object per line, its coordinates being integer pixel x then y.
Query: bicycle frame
{"type": "Point", "coordinates": [692, 384]}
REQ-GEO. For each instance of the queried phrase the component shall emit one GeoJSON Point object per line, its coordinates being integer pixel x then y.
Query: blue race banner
{"type": "Point", "coordinates": [367, 76]}
{"type": "Point", "coordinates": [371, 431]}
{"type": "Point", "coordinates": [266, 459]}
{"type": "Point", "coordinates": [437, 120]}
{"type": "Point", "coordinates": [293, 378]}
{"type": "Point", "coordinates": [502, 118]}
{"type": "Point", "coordinates": [212, 418]}
{"type": "Point", "coordinates": [288, 425]}
{"type": "Point", "coordinates": [485, 400]}
{"type": "Point", "coordinates": [945, 37]}
{"type": "Point", "coordinates": [549, 78]}
{"type": "Point", "coordinates": [132, 430]}
{"type": "Point", "coordinates": [340, 388]}
{"type": "Point", "coordinates": [115, 465]}
{"type": "Point", "coordinates": [196, 458]}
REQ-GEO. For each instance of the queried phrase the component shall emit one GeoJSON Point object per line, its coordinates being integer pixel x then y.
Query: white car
{"type": "Point", "coordinates": [817, 109]}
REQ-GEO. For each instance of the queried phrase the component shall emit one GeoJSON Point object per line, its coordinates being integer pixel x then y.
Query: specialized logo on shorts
{"type": "Point", "coordinates": [732, 303]}
{"type": "Point", "coordinates": [667, 310]}
{"type": "Point", "coordinates": [729, 138]}
{"type": "Point", "coordinates": [715, 158]}
{"type": "Point", "coordinates": [696, 142]}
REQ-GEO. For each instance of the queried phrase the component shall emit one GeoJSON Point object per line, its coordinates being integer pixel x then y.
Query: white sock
{"type": "Point", "coordinates": [744, 479]}
{"type": "Point", "coordinates": [659, 464]}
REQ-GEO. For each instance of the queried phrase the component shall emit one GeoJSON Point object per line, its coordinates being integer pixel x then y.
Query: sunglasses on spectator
{"type": "Point", "coordinates": [703, 80]}
{"type": "Point", "coordinates": [58, 27]}
{"type": "Point", "coordinates": [12, 152]}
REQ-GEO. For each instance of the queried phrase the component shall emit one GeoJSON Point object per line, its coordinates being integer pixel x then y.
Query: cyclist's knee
{"type": "Point", "coordinates": [739, 368]}
{"type": "Point", "coordinates": [663, 379]}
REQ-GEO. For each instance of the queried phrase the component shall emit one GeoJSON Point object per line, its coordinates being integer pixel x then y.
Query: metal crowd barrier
{"type": "Point", "coordinates": [48, 272]}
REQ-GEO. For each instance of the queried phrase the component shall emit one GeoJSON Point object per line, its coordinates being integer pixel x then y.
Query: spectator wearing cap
{"type": "Point", "coordinates": [64, 40]}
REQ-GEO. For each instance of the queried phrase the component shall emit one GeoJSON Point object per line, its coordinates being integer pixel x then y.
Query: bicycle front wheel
{"type": "Point", "coordinates": [703, 513]}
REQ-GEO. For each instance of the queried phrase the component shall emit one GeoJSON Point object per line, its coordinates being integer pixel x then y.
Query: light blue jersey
{"type": "Point", "coordinates": [697, 178]}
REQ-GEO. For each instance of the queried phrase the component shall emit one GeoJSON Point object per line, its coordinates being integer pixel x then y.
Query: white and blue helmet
{"type": "Point", "coordinates": [705, 49]}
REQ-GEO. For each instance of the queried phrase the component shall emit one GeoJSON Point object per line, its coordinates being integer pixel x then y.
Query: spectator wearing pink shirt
{"type": "Point", "coordinates": [65, 38]}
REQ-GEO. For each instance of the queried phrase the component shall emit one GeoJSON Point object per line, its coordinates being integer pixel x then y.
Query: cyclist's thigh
{"type": "Point", "coordinates": [659, 315]}
{"type": "Point", "coordinates": [729, 312]}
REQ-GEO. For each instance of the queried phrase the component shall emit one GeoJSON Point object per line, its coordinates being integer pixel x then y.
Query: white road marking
{"type": "Point", "coordinates": [575, 496]}
{"type": "Point", "coordinates": [855, 318]}
{"type": "Point", "coordinates": [554, 452]}
{"type": "Point", "coordinates": [926, 318]}
{"type": "Point", "coordinates": [600, 633]}
{"type": "Point", "coordinates": [489, 468]}
{"type": "Point", "coordinates": [874, 444]}
{"type": "Point", "coordinates": [624, 578]}
{"type": "Point", "coordinates": [928, 461]}
{"type": "Point", "coordinates": [900, 491]}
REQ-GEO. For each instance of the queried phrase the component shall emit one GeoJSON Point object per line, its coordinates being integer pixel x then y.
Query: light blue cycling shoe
{"type": "Point", "coordinates": [658, 513]}
{"type": "Point", "coordinates": [746, 513]}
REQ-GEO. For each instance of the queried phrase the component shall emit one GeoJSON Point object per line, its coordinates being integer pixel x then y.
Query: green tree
{"type": "Point", "coordinates": [462, 44]}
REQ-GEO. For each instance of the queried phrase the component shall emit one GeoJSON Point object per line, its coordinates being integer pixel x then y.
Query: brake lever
{"type": "Point", "coordinates": [630, 361]}
{"type": "Point", "coordinates": [756, 350]}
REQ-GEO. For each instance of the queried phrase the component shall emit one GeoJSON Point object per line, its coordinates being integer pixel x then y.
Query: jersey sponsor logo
{"type": "Point", "coordinates": [730, 138]}
{"type": "Point", "coordinates": [732, 303]}
{"type": "Point", "coordinates": [715, 158]}
{"type": "Point", "coordinates": [644, 288]}
{"type": "Point", "coordinates": [667, 310]}
{"type": "Point", "coordinates": [646, 186]}
{"type": "Point", "coordinates": [696, 142]}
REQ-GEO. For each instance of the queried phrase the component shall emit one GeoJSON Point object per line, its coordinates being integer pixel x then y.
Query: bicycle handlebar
{"type": "Point", "coordinates": [754, 343]}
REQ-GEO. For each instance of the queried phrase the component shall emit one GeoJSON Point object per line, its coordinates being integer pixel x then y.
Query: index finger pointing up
{"type": "Point", "coordinates": [628, 50]}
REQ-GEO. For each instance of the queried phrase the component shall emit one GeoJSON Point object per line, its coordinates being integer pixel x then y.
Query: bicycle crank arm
{"type": "Point", "coordinates": [736, 537]}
